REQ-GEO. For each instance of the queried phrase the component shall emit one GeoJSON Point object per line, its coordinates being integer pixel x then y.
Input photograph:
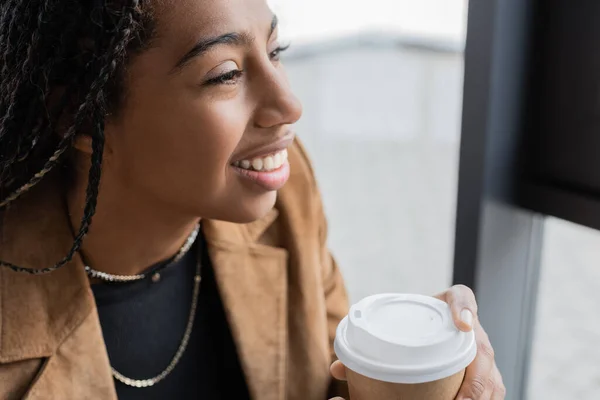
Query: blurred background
{"type": "Point", "coordinates": [381, 82]}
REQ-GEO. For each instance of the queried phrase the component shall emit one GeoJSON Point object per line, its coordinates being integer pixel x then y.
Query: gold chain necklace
{"type": "Point", "coordinates": [92, 273]}
{"type": "Point", "coordinates": [141, 383]}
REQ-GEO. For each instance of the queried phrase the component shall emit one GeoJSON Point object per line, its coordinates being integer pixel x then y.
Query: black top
{"type": "Point", "coordinates": [143, 324]}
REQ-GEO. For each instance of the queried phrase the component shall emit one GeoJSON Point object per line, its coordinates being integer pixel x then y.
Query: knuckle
{"type": "Point", "coordinates": [486, 349]}
{"type": "Point", "coordinates": [478, 386]}
{"type": "Point", "coordinates": [463, 288]}
{"type": "Point", "coordinates": [491, 385]}
{"type": "Point", "coordinates": [451, 295]}
{"type": "Point", "coordinates": [501, 389]}
{"type": "Point", "coordinates": [465, 294]}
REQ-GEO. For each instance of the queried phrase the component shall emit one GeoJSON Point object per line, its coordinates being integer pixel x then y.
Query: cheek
{"type": "Point", "coordinates": [180, 147]}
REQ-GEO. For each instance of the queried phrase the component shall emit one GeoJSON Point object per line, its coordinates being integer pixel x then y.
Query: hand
{"type": "Point", "coordinates": [338, 371]}
{"type": "Point", "coordinates": [482, 378]}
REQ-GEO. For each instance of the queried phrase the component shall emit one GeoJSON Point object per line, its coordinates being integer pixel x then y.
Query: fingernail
{"type": "Point", "coordinates": [467, 317]}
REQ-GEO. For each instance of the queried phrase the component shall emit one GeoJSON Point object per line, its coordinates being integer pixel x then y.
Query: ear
{"type": "Point", "coordinates": [83, 143]}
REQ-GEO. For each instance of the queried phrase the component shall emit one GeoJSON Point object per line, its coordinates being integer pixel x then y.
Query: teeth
{"type": "Point", "coordinates": [268, 163]}
{"type": "Point", "coordinates": [257, 164]}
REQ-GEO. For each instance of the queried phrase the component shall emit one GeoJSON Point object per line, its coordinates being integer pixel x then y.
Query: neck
{"type": "Point", "coordinates": [129, 232]}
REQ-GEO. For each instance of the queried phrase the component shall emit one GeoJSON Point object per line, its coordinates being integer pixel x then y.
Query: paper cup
{"type": "Point", "coordinates": [402, 346]}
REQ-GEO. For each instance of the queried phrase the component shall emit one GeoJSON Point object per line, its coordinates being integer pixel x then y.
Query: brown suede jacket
{"type": "Point", "coordinates": [281, 288]}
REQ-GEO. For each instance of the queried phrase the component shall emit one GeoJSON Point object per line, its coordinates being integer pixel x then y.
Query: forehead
{"type": "Point", "coordinates": [200, 18]}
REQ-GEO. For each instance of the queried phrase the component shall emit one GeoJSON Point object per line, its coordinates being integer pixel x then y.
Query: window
{"type": "Point", "coordinates": [381, 83]}
{"type": "Point", "coordinates": [566, 356]}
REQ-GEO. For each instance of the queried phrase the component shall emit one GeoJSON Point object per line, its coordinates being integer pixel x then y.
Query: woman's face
{"type": "Point", "coordinates": [206, 100]}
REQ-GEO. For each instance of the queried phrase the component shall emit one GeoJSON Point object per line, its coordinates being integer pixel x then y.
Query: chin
{"type": "Point", "coordinates": [249, 209]}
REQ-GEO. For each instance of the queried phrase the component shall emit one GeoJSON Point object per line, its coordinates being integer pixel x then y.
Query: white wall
{"type": "Point", "coordinates": [314, 20]}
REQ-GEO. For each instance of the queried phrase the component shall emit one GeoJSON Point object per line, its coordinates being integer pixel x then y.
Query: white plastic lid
{"type": "Point", "coordinates": [403, 338]}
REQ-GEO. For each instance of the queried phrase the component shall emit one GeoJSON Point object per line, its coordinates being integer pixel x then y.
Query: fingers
{"type": "Point", "coordinates": [480, 375]}
{"type": "Point", "coordinates": [338, 371]}
{"type": "Point", "coordinates": [490, 388]}
{"type": "Point", "coordinates": [482, 381]}
{"type": "Point", "coordinates": [495, 389]}
{"type": "Point", "coordinates": [463, 305]}
{"type": "Point", "coordinates": [487, 395]}
{"type": "Point", "coordinates": [499, 388]}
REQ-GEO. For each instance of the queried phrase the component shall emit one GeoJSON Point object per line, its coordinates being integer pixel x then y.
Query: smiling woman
{"type": "Point", "coordinates": [162, 233]}
{"type": "Point", "coordinates": [167, 125]}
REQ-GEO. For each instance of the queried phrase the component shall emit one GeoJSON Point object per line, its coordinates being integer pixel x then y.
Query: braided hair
{"type": "Point", "coordinates": [62, 66]}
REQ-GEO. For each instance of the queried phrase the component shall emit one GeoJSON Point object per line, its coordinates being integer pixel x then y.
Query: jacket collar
{"type": "Point", "coordinates": [38, 312]}
{"type": "Point", "coordinates": [252, 279]}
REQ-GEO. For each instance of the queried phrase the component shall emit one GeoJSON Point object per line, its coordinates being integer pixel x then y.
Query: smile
{"type": "Point", "coordinates": [268, 163]}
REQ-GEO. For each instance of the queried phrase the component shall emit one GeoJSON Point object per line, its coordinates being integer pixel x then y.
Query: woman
{"type": "Point", "coordinates": [167, 124]}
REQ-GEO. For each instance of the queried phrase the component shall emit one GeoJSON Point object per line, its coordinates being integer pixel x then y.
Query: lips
{"type": "Point", "coordinates": [268, 149]}
{"type": "Point", "coordinates": [266, 167]}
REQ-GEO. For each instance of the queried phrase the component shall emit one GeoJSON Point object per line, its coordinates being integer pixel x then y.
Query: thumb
{"type": "Point", "coordinates": [338, 371]}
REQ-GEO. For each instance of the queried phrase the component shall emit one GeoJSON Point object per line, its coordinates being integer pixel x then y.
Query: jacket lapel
{"type": "Point", "coordinates": [38, 312]}
{"type": "Point", "coordinates": [49, 317]}
{"type": "Point", "coordinates": [252, 279]}
{"type": "Point", "coordinates": [79, 369]}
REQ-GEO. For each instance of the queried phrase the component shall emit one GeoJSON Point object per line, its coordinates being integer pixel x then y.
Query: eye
{"type": "Point", "coordinates": [275, 54]}
{"type": "Point", "coordinates": [228, 78]}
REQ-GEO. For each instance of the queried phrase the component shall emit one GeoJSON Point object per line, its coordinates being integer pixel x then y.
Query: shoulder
{"type": "Point", "coordinates": [301, 161]}
{"type": "Point", "coordinates": [300, 197]}
{"type": "Point", "coordinates": [302, 175]}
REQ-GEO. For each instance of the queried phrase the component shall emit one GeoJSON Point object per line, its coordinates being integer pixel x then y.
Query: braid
{"type": "Point", "coordinates": [29, 58]}
{"type": "Point", "coordinates": [94, 98]}
{"type": "Point", "coordinates": [42, 54]}
{"type": "Point", "coordinates": [89, 210]}
{"type": "Point", "coordinates": [38, 176]}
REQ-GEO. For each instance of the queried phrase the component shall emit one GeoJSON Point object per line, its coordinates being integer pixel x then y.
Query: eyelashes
{"type": "Point", "coordinates": [275, 54]}
{"type": "Point", "coordinates": [227, 78]}
{"type": "Point", "coordinates": [233, 76]}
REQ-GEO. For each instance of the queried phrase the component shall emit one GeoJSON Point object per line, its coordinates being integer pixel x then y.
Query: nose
{"type": "Point", "coordinates": [278, 105]}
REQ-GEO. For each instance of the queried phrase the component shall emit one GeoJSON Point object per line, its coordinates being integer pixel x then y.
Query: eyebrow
{"type": "Point", "coordinates": [231, 39]}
